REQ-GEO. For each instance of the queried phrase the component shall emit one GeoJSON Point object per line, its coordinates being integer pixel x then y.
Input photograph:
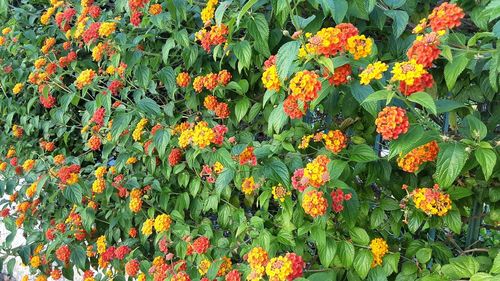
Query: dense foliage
{"type": "Point", "coordinates": [251, 140]}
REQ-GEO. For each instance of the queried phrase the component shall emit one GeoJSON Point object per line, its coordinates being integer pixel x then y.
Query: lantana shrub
{"type": "Point", "coordinates": [250, 140]}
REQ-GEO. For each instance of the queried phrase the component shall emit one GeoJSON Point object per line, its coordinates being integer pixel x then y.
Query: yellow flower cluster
{"type": "Point", "coordinates": [407, 71]}
{"type": "Point", "coordinates": [207, 14]}
{"type": "Point", "coordinates": [17, 88]}
{"type": "Point", "coordinates": [248, 186]}
{"type": "Point", "coordinates": [359, 46]}
{"type": "Point", "coordinates": [107, 28]}
{"type": "Point", "coordinates": [204, 266]}
{"type": "Point", "coordinates": [201, 135]}
{"type": "Point", "coordinates": [270, 79]}
{"type": "Point", "coordinates": [35, 261]}
{"type": "Point", "coordinates": [131, 160]}
{"type": "Point", "coordinates": [85, 78]}
{"type": "Point", "coordinates": [379, 248]}
{"type": "Point", "coordinates": [28, 165]}
{"type": "Point", "coordinates": [135, 203]}
{"type": "Point", "coordinates": [257, 259]}
{"type": "Point", "coordinates": [136, 134]}
{"type": "Point", "coordinates": [30, 191]}
{"type": "Point", "coordinates": [316, 171]}
{"type": "Point", "coordinates": [6, 30]}
{"type": "Point", "coordinates": [279, 268]}
{"type": "Point", "coordinates": [162, 223]}
{"type": "Point", "coordinates": [372, 71]}
{"type": "Point", "coordinates": [40, 62]}
{"type": "Point", "coordinates": [431, 201]}
{"type": "Point", "coordinates": [218, 167]}
{"type": "Point", "coordinates": [101, 244]}
{"type": "Point", "coordinates": [147, 227]}
{"type": "Point", "coordinates": [99, 183]}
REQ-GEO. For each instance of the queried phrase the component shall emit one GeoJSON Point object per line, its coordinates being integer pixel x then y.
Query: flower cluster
{"type": "Point", "coordinates": [392, 122]}
{"type": "Point", "coordinates": [247, 156]}
{"type": "Point", "coordinates": [99, 183]}
{"type": "Point", "coordinates": [443, 17]}
{"type": "Point", "coordinates": [412, 160]}
{"type": "Point", "coordinates": [340, 76]}
{"type": "Point", "coordinates": [174, 157]}
{"type": "Point", "coordinates": [212, 36]}
{"type": "Point", "coordinates": [316, 172]}
{"type": "Point", "coordinates": [139, 128]}
{"type": "Point", "coordinates": [280, 192]}
{"type": "Point", "coordinates": [248, 186]}
{"type": "Point", "coordinates": [338, 198]}
{"type": "Point", "coordinates": [379, 248]}
{"type": "Point", "coordinates": [211, 80]}
{"type": "Point", "coordinates": [359, 46]}
{"type": "Point", "coordinates": [207, 14]}
{"type": "Point", "coordinates": [314, 204]}
{"type": "Point", "coordinates": [329, 41]}
{"type": "Point", "coordinates": [304, 88]}
{"type": "Point", "coordinates": [407, 71]}
{"type": "Point", "coordinates": [372, 71]}
{"type": "Point", "coordinates": [135, 203]}
{"type": "Point", "coordinates": [281, 268]}
{"type": "Point", "coordinates": [431, 201]}
{"type": "Point", "coordinates": [183, 79]}
{"type": "Point", "coordinates": [162, 223]}
{"type": "Point", "coordinates": [69, 174]}
{"type": "Point", "coordinates": [335, 141]}
{"type": "Point", "coordinates": [85, 78]}
{"type": "Point", "coordinates": [220, 109]}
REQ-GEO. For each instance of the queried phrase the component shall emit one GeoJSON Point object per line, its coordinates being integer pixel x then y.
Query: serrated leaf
{"type": "Point", "coordinates": [362, 262]}
{"type": "Point", "coordinates": [425, 100]}
{"type": "Point", "coordinates": [241, 108]}
{"type": "Point", "coordinates": [285, 57]}
{"type": "Point", "coordinates": [454, 68]}
{"type": "Point", "coordinates": [450, 161]}
{"type": "Point", "coordinates": [487, 159]}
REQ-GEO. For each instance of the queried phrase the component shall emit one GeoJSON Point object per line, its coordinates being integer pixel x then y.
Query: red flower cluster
{"type": "Point", "coordinates": [338, 198]}
{"type": "Point", "coordinates": [212, 36]}
{"type": "Point", "coordinates": [121, 252]}
{"type": "Point", "coordinates": [132, 267]}
{"type": "Point", "coordinates": [220, 131]}
{"type": "Point", "coordinates": [297, 182]}
{"type": "Point", "coordinates": [69, 174]}
{"type": "Point", "coordinates": [134, 6]}
{"type": "Point", "coordinates": [248, 156]}
{"type": "Point", "coordinates": [174, 157]}
{"type": "Point", "coordinates": [298, 266]}
{"type": "Point", "coordinates": [64, 19]}
{"type": "Point", "coordinates": [63, 253]}
{"type": "Point", "coordinates": [340, 76]}
{"type": "Point", "coordinates": [92, 33]}
{"type": "Point", "coordinates": [425, 49]}
{"type": "Point", "coordinates": [98, 116]}
{"type": "Point", "coordinates": [201, 244]}
{"type": "Point", "coordinates": [419, 85]}
{"type": "Point", "coordinates": [391, 122]}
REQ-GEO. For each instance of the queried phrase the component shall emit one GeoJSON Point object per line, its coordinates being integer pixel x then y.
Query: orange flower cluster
{"type": "Point", "coordinates": [391, 122]}
{"type": "Point", "coordinates": [212, 36]}
{"type": "Point", "coordinates": [340, 76]}
{"type": "Point", "coordinates": [94, 143]}
{"type": "Point", "coordinates": [183, 79]}
{"type": "Point", "coordinates": [425, 49]}
{"type": "Point", "coordinates": [211, 80]}
{"type": "Point", "coordinates": [69, 174]}
{"type": "Point", "coordinates": [314, 204]}
{"type": "Point", "coordinates": [329, 41]}
{"type": "Point", "coordinates": [135, 203]}
{"type": "Point", "coordinates": [431, 201]}
{"type": "Point", "coordinates": [335, 140]}
{"type": "Point", "coordinates": [304, 87]}
{"type": "Point", "coordinates": [220, 109]}
{"type": "Point", "coordinates": [445, 16]}
{"type": "Point", "coordinates": [248, 156]}
{"type": "Point", "coordinates": [426, 153]}
{"type": "Point", "coordinates": [316, 172]}
{"type": "Point", "coordinates": [17, 131]}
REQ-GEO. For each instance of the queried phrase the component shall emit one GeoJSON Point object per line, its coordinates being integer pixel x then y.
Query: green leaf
{"type": "Point", "coordinates": [149, 106]}
{"type": "Point", "coordinates": [213, 269]}
{"type": "Point", "coordinates": [424, 100]}
{"type": "Point", "coordinates": [165, 50]}
{"type": "Point", "coordinates": [399, 21]}
{"type": "Point", "coordinates": [243, 52]}
{"type": "Point", "coordinates": [285, 57]}
{"type": "Point", "coordinates": [224, 179]}
{"type": "Point", "coordinates": [448, 105]}
{"type": "Point", "coordinates": [495, 269]}
{"type": "Point", "coordinates": [362, 262]}
{"type": "Point", "coordinates": [277, 119]}
{"type": "Point", "coordinates": [359, 236]}
{"type": "Point", "coordinates": [73, 193]}
{"type": "Point", "coordinates": [346, 253]}
{"type": "Point", "coordinates": [487, 159]}
{"type": "Point", "coordinates": [279, 170]}
{"type": "Point", "coordinates": [143, 75]}
{"type": "Point", "coordinates": [243, 11]}
{"type": "Point", "coordinates": [161, 140]}
{"type": "Point", "coordinates": [78, 256]}
{"type": "Point", "coordinates": [327, 63]}
{"type": "Point", "coordinates": [321, 276]}
{"type": "Point", "coordinates": [392, 260]}
{"type": "Point", "coordinates": [481, 276]}
{"type": "Point", "coordinates": [360, 93]}
{"type": "Point", "coordinates": [451, 160]}
{"type": "Point", "coordinates": [241, 108]}
{"type": "Point", "coordinates": [327, 253]}
{"type": "Point", "coordinates": [453, 69]}
{"type": "Point", "coordinates": [424, 255]}
{"type": "Point", "coordinates": [415, 137]}
{"type": "Point", "coordinates": [453, 221]}
{"type": "Point", "coordinates": [259, 30]}
{"type": "Point", "coordinates": [474, 128]}
{"type": "Point", "coordinates": [461, 267]}
{"type": "Point", "coordinates": [376, 96]}
{"type": "Point", "coordinates": [221, 9]}
{"type": "Point", "coordinates": [362, 153]}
